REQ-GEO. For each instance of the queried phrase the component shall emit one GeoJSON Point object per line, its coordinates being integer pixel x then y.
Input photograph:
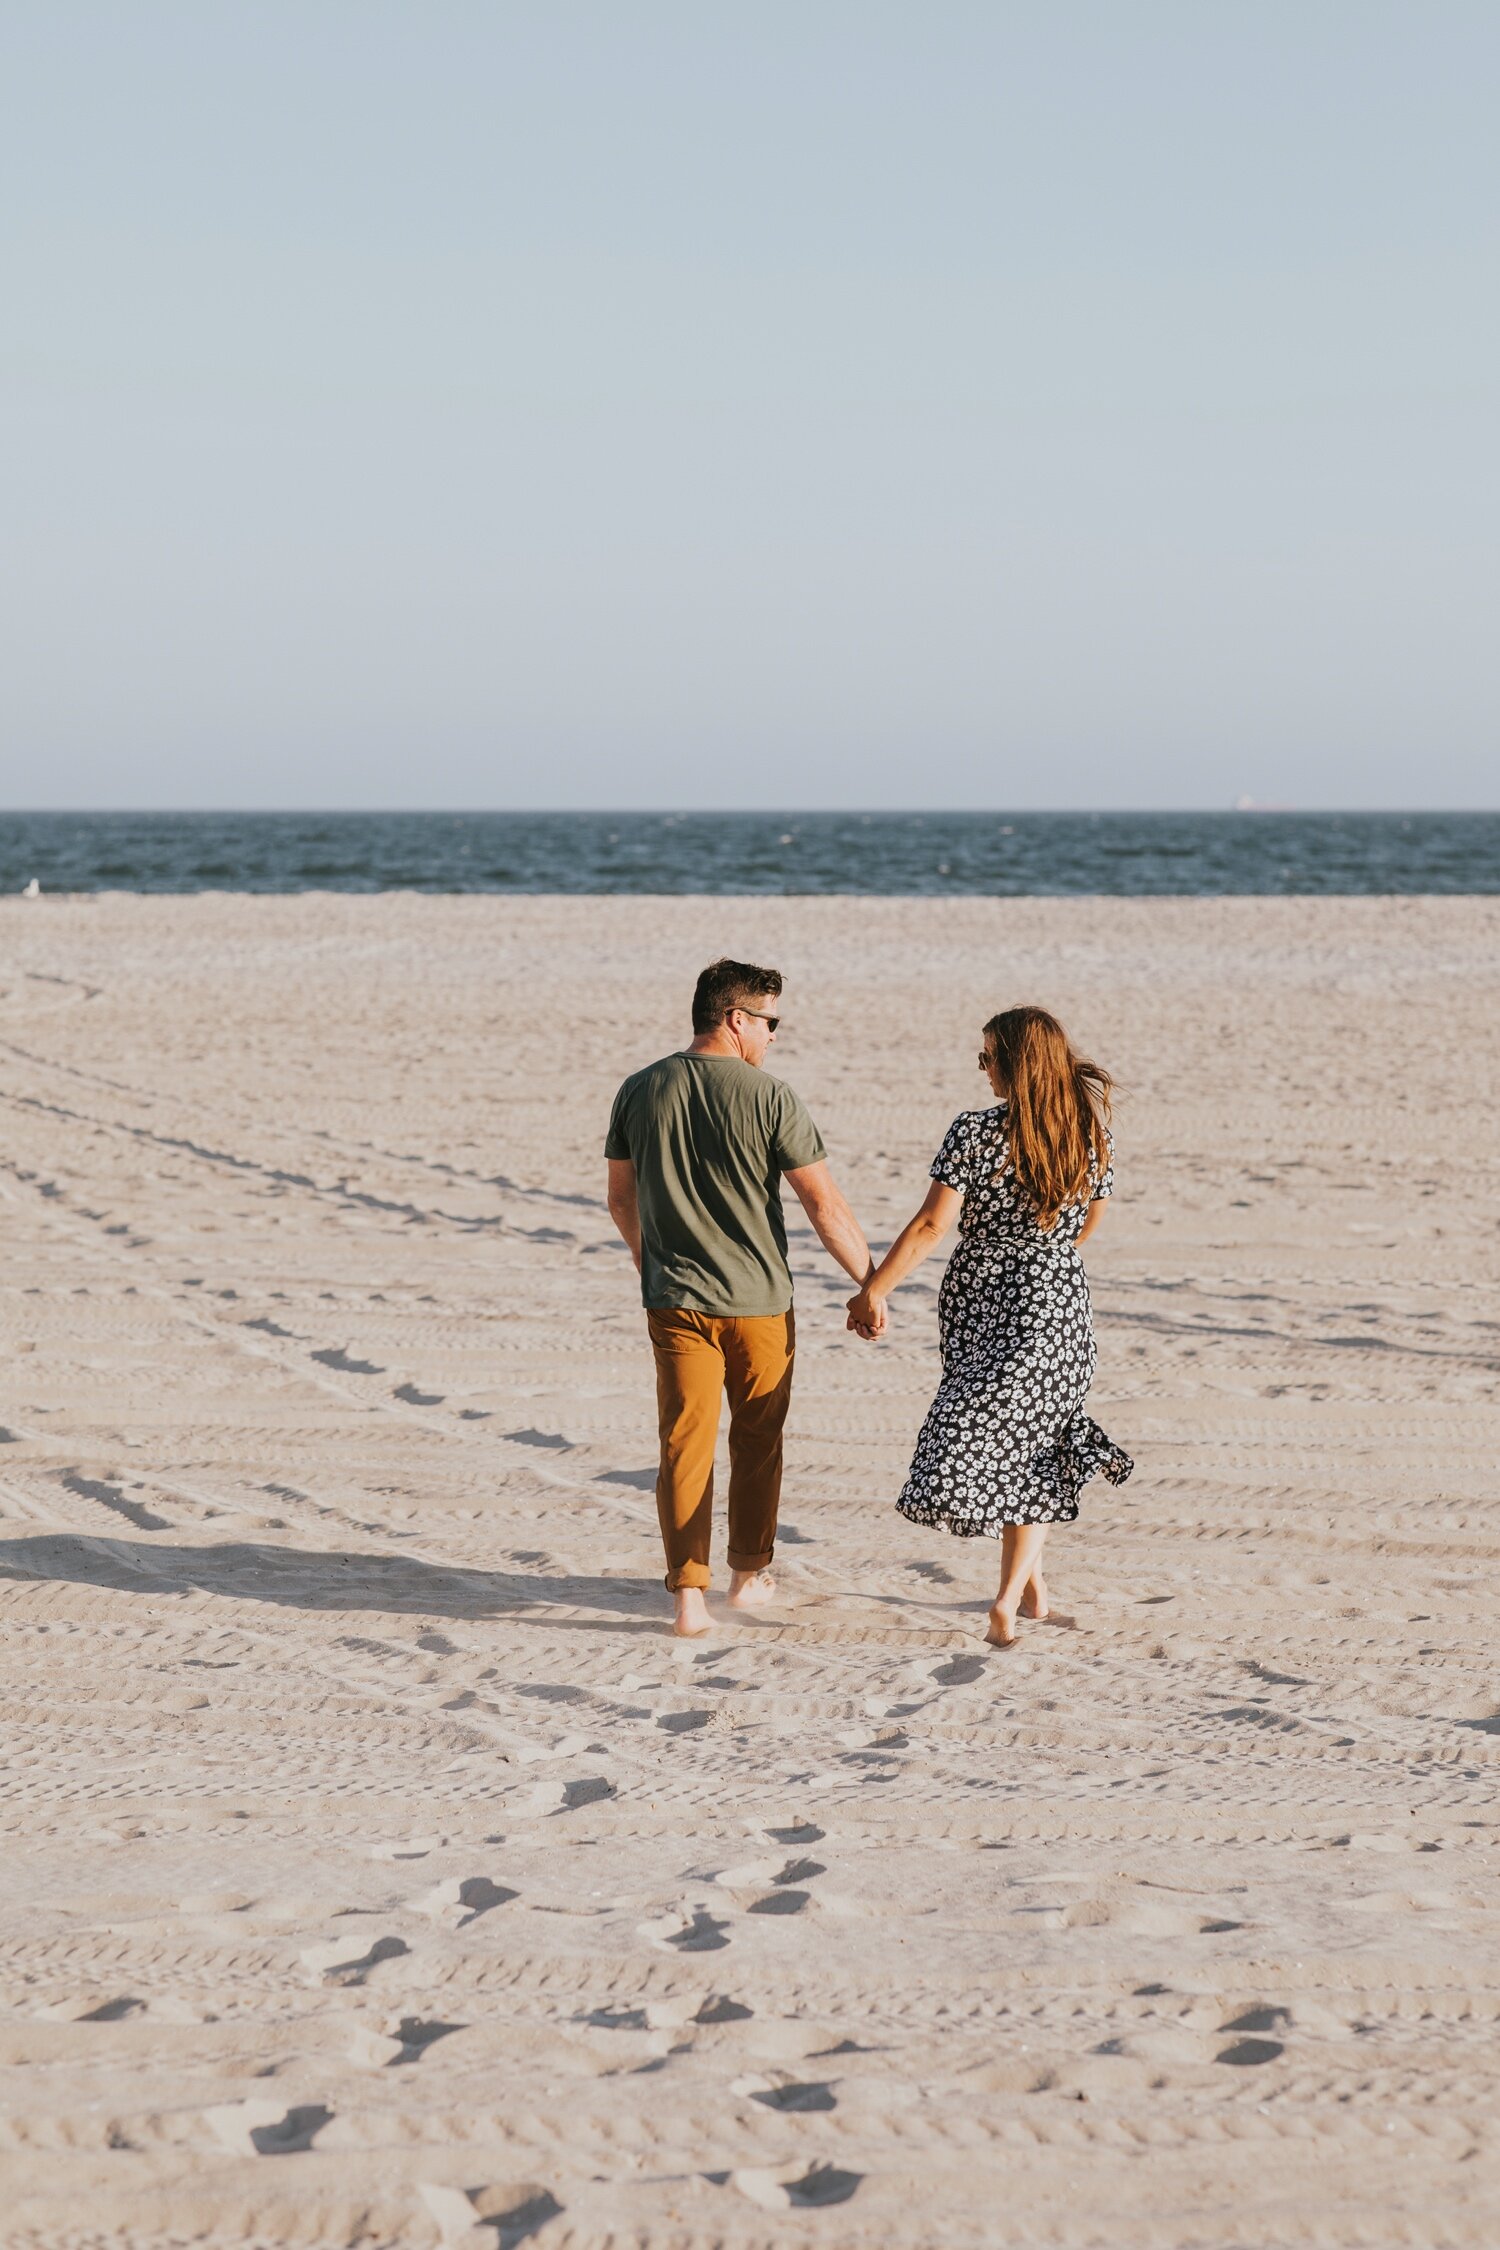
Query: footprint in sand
{"type": "Point", "coordinates": [354, 1972]}
{"type": "Point", "coordinates": [1135, 1911]}
{"type": "Point", "coordinates": [704, 1934]}
{"type": "Point", "coordinates": [821, 2185]}
{"type": "Point", "coordinates": [592, 1791]}
{"type": "Point", "coordinates": [781, 1902]}
{"type": "Point", "coordinates": [701, 1932]}
{"type": "Point", "coordinates": [684, 1722]}
{"type": "Point", "coordinates": [798, 2100]}
{"type": "Point", "coordinates": [721, 2009]}
{"type": "Point", "coordinates": [477, 1895]}
{"type": "Point", "coordinates": [960, 1671]}
{"type": "Point", "coordinates": [409, 1395]}
{"type": "Point", "coordinates": [1266, 2018]}
{"type": "Point", "coordinates": [417, 2035]}
{"type": "Point", "coordinates": [617, 2019]}
{"type": "Point", "coordinates": [405, 2044]}
{"type": "Point", "coordinates": [291, 2134]}
{"type": "Point", "coordinates": [545, 1800]}
{"type": "Point", "coordinates": [342, 1364]}
{"type": "Point", "coordinates": [414, 1847]}
{"type": "Point", "coordinates": [266, 2128]}
{"type": "Point", "coordinates": [1250, 2051]}
{"type": "Point", "coordinates": [752, 1873]}
{"type": "Point", "coordinates": [461, 1901]}
{"type": "Point", "coordinates": [800, 1871]}
{"type": "Point", "coordinates": [507, 2215]}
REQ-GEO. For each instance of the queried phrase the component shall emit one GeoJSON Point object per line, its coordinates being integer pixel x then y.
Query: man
{"type": "Point", "coordinates": [697, 1149]}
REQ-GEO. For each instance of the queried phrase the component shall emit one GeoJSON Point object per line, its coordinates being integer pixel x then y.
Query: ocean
{"type": "Point", "coordinates": [985, 854]}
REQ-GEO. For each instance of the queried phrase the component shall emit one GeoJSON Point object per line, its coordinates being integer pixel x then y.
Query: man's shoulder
{"type": "Point", "coordinates": [778, 1088]}
{"type": "Point", "coordinates": [771, 1099]}
{"type": "Point", "coordinates": [727, 1082]}
{"type": "Point", "coordinates": [650, 1075]}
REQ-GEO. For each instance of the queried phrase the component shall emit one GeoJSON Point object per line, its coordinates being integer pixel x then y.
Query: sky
{"type": "Point", "coordinates": [787, 403]}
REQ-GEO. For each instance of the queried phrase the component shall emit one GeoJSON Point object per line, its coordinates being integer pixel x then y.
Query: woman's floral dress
{"type": "Point", "coordinates": [1006, 1439]}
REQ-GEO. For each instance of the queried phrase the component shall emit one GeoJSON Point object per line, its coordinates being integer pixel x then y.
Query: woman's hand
{"type": "Point", "coordinates": [867, 1314]}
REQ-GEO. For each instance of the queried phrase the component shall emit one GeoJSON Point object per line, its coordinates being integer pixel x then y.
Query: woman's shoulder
{"type": "Point", "coordinates": [973, 1134]}
{"type": "Point", "coordinates": [979, 1124]}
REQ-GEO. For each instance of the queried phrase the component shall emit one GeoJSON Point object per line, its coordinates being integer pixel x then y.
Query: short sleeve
{"type": "Point", "coordinates": [616, 1142]}
{"type": "Point", "coordinates": [951, 1166]}
{"type": "Point", "coordinates": [1105, 1184]}
{"type": "Point", "coordinates": [797, 1140]}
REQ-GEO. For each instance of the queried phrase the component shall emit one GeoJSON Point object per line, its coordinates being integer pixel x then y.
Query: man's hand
{"type": "Point", "coordinates": [868, 1316]}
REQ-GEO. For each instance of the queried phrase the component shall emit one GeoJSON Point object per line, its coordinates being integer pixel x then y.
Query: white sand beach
{"type": "Point", "coordinates": [379, 1871]}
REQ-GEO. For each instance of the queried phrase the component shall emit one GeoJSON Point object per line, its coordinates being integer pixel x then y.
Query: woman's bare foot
{"type": "Point", "coordinates": [751, 1589]}
{"type": "Point", "coordinates": [1002, 1630]}
{"type": "Point", "coordinates": [692, 1616]}
{"type": "Point", "coordinates": [1034, 1598]}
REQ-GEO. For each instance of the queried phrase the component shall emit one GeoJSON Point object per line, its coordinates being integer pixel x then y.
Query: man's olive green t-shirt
{"type": "Point", "coordinates": [710, 1137]}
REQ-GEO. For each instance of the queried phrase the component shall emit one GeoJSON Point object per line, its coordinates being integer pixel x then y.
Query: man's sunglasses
{"type": "Point", "coordinates": [760, 1016]}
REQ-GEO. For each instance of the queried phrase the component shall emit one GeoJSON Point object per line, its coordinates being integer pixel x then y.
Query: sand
{"type": "Point", "coordinates": [379, 1871]}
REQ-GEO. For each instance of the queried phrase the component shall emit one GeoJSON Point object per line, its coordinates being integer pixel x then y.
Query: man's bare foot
{"type": "Point", "coordinates": [751, 1589]}
{"type": "Point", "coordinates": [692, 1616]}
{"type": "Point", "coordinates": [1002, 1630]}
{"type": "Point", "coordinates": [1034, 1598]}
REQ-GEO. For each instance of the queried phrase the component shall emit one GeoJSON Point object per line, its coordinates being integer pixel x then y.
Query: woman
{"type": "Point", "coordinates": [1006, 1444]}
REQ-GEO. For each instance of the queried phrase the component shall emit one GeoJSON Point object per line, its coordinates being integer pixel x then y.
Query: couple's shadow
{"type": "Point", "coordinates": [397, 1585]}
{"type": "Point", "coordinates": [252, 1571]}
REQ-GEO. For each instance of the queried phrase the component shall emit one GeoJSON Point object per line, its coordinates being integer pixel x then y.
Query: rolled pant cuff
{"type": "Point", "coordinates": [690, 1574]}
{"type": "Point", "coordinates": [749, 1563]}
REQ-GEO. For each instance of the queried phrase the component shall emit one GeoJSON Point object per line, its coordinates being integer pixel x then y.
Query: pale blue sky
{"type": "Point", "coordinates": [792, 403]}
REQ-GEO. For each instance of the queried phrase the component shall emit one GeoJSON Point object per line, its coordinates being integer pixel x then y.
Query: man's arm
{"type": "Point", "coordinates": [623, 1206]}
{"type": "Point", "coordinates": [833, 1222]}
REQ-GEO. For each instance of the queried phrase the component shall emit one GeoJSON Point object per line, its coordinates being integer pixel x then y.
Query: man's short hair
{"type": "Point", "coordinates": [731, 984]}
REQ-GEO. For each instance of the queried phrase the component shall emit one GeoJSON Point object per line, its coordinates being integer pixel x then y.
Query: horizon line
{"type": "Point", "coordinates": [747, 812]}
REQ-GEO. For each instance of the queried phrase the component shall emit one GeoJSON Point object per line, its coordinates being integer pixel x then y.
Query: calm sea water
{"type": "Point", "coordinates": [931, 854]}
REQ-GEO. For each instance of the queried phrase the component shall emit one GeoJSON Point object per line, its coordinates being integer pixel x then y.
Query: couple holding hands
{"type": "Point", "coordinates": [697, 1148]}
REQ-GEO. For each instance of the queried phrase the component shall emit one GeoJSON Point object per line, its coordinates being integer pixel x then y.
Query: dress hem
{"type": "Point", "coordinates": [991, 1529]}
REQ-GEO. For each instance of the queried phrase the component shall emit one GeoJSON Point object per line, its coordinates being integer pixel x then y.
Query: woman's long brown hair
{"type": "Point", "coordinates": [1058, 1108]}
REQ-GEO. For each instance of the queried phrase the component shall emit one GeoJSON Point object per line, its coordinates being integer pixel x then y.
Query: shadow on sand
{"type": "Point", "coordinates": [245, 1570]}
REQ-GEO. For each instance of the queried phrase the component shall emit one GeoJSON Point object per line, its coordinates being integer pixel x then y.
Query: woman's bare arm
{"type": "Point", "coordinates": [917, 1240]}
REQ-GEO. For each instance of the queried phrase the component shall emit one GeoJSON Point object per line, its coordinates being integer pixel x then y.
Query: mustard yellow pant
{"type": "Point", "coordinates": [700, 1356]}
